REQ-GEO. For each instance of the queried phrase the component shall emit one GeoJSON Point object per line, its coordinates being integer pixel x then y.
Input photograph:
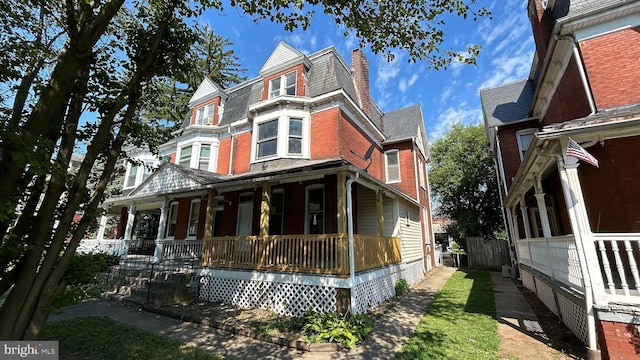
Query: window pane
{"type": "Point", "coordinates": [295, 146]}
{"type": "Point", "coordinates": [148, 169]}
{"type": "Point", "coordinates": [267, 148]}
{"type": "Point", "coordinates": [268, 130]}
{"type": "Point", "coordinates": [392, 158]}
{"type": "Point", "coordinates": [193, 219]}
{"type": "Point", "coordinates": [291, 83]}
{"type": "Point", "coordinates": [210, 108]}
{"type": "Point", "coordinates": [203, 161]}
{"type": "Point", "coordinates": [173, 219]}
{"type": "Point", "coordinates": [185, 155]}
{"type": "Point", "coordinates": [275, 87]}
{"type": "Point", "coordinates": [133, 172]}
{"type": "Point", "coordinates": [295, 127]}
{"type": "Point", "coordinates": [394, 173]}
{"type": "Point", "coordinates": [200, 116]}
{"type": "Point", "coordinates": [525, 140]}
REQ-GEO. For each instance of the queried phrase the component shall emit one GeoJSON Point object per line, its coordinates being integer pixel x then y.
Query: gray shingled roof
{"type": "Point", "coordinates": [580, 7]}
{"type": "Point", "coordinates": [402, 123]}
{"type": "Point", "coordinates": [507, 103]}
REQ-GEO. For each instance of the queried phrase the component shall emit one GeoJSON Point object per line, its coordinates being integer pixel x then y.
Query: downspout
{"type": "Point", "coordinates": [352, 261]}
{"type": "Point", "coordinates": [230, 150]}
{"type": "Point", "coordinates": [497, 163]}
{"type": "Point", "coordinates": [583, 75]}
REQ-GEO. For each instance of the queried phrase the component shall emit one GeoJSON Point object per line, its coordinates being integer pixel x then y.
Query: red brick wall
{"type": "Point", "coordinates": [407, 168]}
{"type": "Point", "coordinates": [352, 138]}
{"type": "Point", "coordinates": [324, 134]}
{"type": "Point", "coordinates": [509, 148]}
{"type": "Point", "coordinates": [241, 153]}
{"type": "Point", "coordinates": [570, 101]}
{"type": "Point", "coordinates": [612, 66]}
{"type": "Point", "coordinates": [618, 340]}
{"type": "Point", "coordinates": [611, 192]}
{"type": "Point", "coordinates": [300, 89]}
{"type": "Point", "coordinates": [223, 156]}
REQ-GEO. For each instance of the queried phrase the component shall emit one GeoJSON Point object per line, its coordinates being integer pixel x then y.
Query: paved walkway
{"type": "Point", "coordinates": [390, 333]}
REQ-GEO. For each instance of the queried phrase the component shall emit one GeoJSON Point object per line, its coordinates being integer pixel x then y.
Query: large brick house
{"type": "Point", "coordinates": [575, 223]}
{"type": "Point", "coordinates": [295, 184]}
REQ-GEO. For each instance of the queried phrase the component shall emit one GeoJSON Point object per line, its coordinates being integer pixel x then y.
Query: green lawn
{"type": "Point", "coordinates": [101, 338]}
{"type": "Point", "coordinates": [460, 323]}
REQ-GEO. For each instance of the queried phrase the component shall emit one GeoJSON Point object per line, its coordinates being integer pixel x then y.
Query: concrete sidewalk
{"type": "Point", "coordinates": [517, 327]}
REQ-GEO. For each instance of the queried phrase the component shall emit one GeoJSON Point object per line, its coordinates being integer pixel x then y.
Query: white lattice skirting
{"type": "Point", "coordinates": [568, 306]}
{"type": "Point", "coordinates": [293, 294]}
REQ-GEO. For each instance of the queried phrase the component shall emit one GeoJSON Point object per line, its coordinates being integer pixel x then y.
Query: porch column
{"type": "Point", "coordinates": [542, 209]}
{"type": "Point", "coordinates": [265, 208]}
{"type": "Point", "coordinates": [210, 219]}
{"type": "Point", "coordinates": [514, 221]}
{"type": "Point", "coordinates": [342, 207]}
{"type": "Point", "coordinates": [525, 218]}
{"type": "Point", "coordinates": [589, 264]}
{"type": "Point", "coordinates": [380, 213]}
{"type": "Point", "coordinates": [103, 225]}
{"type": "Point", "coordinates": [162, 223]}
{"type": "Point", "coordinates": [128, 231]}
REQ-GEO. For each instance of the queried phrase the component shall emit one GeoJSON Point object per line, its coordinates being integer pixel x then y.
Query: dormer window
{"type": "Point", "coordinates": [204, 114]}
{"type": "Point", "coordinates": [283, 85]}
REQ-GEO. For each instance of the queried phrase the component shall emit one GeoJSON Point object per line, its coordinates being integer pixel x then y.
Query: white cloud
{"type": "Point", "coordinates": [405, 83]}
{"type": "Point", "coordinates": [305, 42]}
{"type": "Point", "coordinates": [509, 67]}
{"type": "Point", "coordinates": [462, 113]}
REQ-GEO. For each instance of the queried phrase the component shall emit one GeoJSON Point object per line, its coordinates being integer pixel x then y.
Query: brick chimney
{"type": "Point", "coordinates": [360, 66]}
{"type": "Point", "coordinates": [542, 26]}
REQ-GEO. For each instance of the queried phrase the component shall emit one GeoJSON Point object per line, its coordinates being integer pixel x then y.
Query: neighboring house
{"type": "Point", "coordinates": [575, 226]}
{"type": "Point", "coordinates": [301, 191]}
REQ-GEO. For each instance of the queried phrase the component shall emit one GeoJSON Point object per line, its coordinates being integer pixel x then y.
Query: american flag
{"type": "Point", "coordinates": [575, 150]}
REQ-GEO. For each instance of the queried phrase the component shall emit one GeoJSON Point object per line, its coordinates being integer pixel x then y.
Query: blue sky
{"type": "Point", "coordinates": [446, 96]}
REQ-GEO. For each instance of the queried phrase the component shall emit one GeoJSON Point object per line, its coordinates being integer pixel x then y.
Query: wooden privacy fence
{"type": "Point", "coordinates": [324, 254]}
{"type": "Point", "coordinates": [487, 254]}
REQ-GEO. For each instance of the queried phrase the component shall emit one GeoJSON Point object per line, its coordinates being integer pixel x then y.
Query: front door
{"type": "Point", "coordinates": [245, 219]}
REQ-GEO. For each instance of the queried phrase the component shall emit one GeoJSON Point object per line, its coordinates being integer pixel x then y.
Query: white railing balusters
{"type": "Point", "coordinates": [632, 264]}
{"type": "Point", "coordinates": [620, 267]}
{"type": "Point", "coordinates": [606, 266]}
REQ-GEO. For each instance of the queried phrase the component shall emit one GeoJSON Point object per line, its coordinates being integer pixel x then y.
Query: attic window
{"type": "Point", "coordinates": [283, 85]}
{"type": "Point", "coordinates": [204, 115]}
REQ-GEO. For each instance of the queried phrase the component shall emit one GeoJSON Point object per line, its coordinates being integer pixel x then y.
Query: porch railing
{"type": "Point", "coordinates": [324, 254]}
{"type": "Point", "coordinates": [618, 256]}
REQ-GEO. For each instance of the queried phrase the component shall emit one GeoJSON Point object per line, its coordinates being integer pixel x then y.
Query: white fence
{"type": "Point", "coordinates": [618, 256]}
{"type": "Point", "coordinates": [165, 249]}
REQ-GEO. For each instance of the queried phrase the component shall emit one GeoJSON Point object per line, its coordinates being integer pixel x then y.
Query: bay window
{"type": "Point", "coordinates": [267, 139]}
{"type": "Point", "coordinates": [281, 134]}
{"type": "Point", "coordinates": [205, 154]}
{"type": "Point", "coordinates": [185, 155]}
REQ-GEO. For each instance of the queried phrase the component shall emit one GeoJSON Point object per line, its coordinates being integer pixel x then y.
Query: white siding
{"type": "Point", "coordinates": [410, 232]}
{"type": "Point", "coordinates": [367, 212]}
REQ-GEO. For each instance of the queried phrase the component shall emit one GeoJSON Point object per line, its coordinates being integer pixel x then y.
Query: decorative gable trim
{"type": "Point", "coordinates": [167, 179]}
{"type": "Point", "coordinates": [206, 91]}
{"type": "Point", "coordinates": [283, 57]}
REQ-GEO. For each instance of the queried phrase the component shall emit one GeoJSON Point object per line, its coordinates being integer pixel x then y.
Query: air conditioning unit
{"type": "Point", "coordinates": [209, 120]}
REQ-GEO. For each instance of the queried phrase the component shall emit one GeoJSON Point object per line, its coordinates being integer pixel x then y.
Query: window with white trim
{"type": "Point", "coordinates": [148, 169]}
{"type": "Point", "coordinates": [284, 135]}
{"type": "Point", "coordinates": [194, 215]}
{"type": "Point", "coordinates": [421, 173]}
{"type": "Point", "coordinates": [132, 176]}
{"type": "Point", "coordinates": [204, 114]}
{"type": "Point", "coordinates": [185, 155]}
{"type": "Point", "coordinates": [173, 220]}
{"type": "Point", "coordinates": [524, 140]}
{"type": "Point", "coordinates": [205, 155]}
{"type": "Point", "coordinates": [283, 85]}
{"type": "Point", "coordinates": [392, 165]}
{"type": "Point", "coordinates": [267, 144]}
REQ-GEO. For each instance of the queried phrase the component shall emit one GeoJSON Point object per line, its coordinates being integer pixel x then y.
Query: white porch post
{"type": "Point", "coordinates": [525, 218]}
{"type": "Point", "coordinates": [542, 209]}
{"type": "Point", "coordinates": [352, 253]}
{"type": "Point", "coordinates": [103, 224]}
{"type": "Point", "coordinates": [128, 231]}
{"type": "Point", "coordinates": [514, 223]}
{"type": "Point", "coordinates": [572, 191]}
{"type": "Point", "coordinates": [157, 254]}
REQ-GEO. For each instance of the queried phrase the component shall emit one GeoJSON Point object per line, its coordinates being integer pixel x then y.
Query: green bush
{"type": "Point", "coordinates": [402, 287]}
{"type": "Point", "coordinates": [82, 280]}
{"type": "Point", "coordinates": [333, 327]}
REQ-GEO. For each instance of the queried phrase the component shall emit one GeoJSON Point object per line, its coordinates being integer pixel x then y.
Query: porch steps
{"type": "Point", "coordinates": [139, 286]}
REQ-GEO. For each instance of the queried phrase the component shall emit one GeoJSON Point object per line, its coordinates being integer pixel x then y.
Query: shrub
{"type": "Point", "coordinates": [82, 280]}
{"type": "Point", "coordinates": [402, 287]}
{"type": "Point", "coordinates": [332, 327]}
